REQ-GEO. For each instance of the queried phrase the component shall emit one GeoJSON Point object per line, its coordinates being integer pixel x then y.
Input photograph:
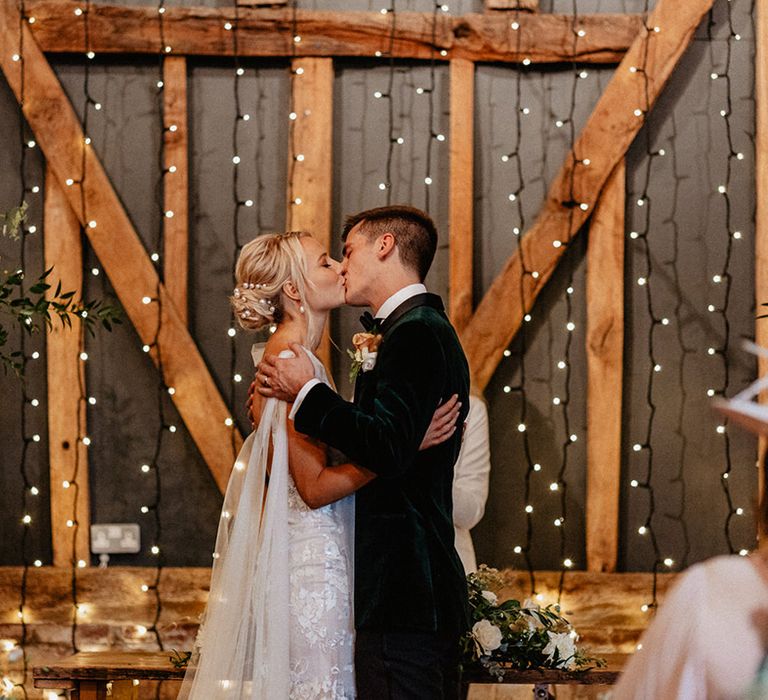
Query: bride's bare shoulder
{"type": "Point", "coordinates": [278, 344]}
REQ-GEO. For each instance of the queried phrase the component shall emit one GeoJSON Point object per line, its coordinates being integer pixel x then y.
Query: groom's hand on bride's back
{"type": "Point", "coordinates": [282, 377]}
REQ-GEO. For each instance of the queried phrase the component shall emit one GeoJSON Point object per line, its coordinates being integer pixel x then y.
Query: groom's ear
{"type": "Point", "coordinates": [385, 245]}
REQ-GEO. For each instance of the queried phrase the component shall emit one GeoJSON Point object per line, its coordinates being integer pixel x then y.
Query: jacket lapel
{"type": "Point", "coordinates": [413, 302]}
{"type": "Point", "coordinates": [409, 304]}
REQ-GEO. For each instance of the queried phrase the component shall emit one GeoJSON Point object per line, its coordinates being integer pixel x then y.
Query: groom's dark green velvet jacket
{"type": "Point", "coordinates": [408, 576]}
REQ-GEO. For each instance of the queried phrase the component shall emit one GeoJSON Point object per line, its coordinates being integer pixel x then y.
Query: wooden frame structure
{"type": "Point", "coordinates": [593, 172]}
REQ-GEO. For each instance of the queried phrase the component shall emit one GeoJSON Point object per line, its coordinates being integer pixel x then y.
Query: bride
{"type": "Point", "coordinates": [278, 623]}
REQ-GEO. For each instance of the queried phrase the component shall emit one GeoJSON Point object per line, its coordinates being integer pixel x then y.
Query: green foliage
{"type": "Point", "coordinates": [519, 636]}
{"type": "Point", "coordinates": [180, 659]}
{"type": "Point", "coordinates": [35, 309]}
{"type": "Point", "coordinates": [12, 220]}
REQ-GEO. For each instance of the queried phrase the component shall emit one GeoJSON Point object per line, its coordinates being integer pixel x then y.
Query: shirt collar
{"type": "Point", "coordinates": [398, 298]}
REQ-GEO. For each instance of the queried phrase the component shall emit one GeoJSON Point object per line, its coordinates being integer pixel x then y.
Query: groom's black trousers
{"type": "Point", "coordinates": [406, 666]}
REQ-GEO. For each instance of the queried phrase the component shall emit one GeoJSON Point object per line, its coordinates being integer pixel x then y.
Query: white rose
{"type": "Point", "coordinates": [487, 635]}
{"type": "Point", "coordinates": [565, 645]}
{"type": "Point", "coordinates": [490, 596]}
{"type": "Point", "coordinates": [369, 360]}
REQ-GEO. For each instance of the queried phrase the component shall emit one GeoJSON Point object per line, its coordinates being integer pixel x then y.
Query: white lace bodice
{"type": "Point", "coordinates": [321, 566]}
{"type": "Point", "coordinates": [279, 622]}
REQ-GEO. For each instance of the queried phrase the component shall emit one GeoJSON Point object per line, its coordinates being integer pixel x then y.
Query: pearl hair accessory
{"type": "Point", "coordinates": [267, 304]}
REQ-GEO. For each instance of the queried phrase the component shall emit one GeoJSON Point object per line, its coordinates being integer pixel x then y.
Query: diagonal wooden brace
{"type": "Point", "coordinates": [607, 136]}
{"type": "Point", "coordinates": [115, 241]}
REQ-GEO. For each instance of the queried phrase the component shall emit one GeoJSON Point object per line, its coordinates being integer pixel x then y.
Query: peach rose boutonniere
{"type": "Point", "coordinates": [366, 347]}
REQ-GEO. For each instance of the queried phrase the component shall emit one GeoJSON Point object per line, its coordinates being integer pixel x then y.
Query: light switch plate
{"type": "Point", "coordinates": [115, 538]}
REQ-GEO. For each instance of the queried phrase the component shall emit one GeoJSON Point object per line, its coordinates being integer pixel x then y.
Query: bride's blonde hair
{"type": "Point", "coordinates": [265, 264]}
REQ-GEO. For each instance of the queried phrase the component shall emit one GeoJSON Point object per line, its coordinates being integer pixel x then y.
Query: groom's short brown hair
{"type": "Point", "coordinates": [413, 229]}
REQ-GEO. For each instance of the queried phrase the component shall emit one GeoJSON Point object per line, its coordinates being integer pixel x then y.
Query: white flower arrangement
{"type": "Point", "coordinates": [511, 635]}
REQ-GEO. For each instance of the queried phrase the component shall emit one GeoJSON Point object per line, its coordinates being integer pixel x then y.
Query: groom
{"type": "Point", "coordinates": [410, 590]}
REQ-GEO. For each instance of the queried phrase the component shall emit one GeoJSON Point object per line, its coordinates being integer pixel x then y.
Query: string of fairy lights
{"type": "Point", "coordinates": [722, 279]}
{"type": "Point", "coordinates": [560, 485]}
{"type": "Point", "coordinates": [515, 197]}
{"type": "Point", "coordinates": [561, 400]}
{"type": "Point", "coordinates": [686, 352]}
{"type": "Point", "coordinates": [240, 204]}
{"type": "Point", "coordinates": [29, 491]}
{"type": "Point", "coordinates": [644, 450]}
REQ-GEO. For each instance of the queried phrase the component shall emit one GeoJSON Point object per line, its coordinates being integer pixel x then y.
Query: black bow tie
{"type": "Point", "coordinates": [368, 321]}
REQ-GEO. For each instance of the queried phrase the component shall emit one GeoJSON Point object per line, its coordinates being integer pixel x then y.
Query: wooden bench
{"type": "Point", "coordinates": [543, 680]}
{"type": "Point", "coordinates": [87, 674]}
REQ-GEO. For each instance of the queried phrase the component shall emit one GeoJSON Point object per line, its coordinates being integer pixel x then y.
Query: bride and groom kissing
{"type": "Point", "coordinates": [340, 579]}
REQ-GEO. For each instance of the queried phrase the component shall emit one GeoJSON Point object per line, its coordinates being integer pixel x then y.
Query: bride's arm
{"type": "Point", "coordinates": [317, 483]}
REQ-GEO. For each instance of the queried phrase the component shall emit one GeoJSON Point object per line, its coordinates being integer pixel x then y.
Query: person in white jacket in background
{"type": "Point", "coordinates": [470, 480]}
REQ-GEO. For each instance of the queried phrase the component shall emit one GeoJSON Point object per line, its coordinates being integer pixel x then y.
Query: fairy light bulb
{"type": "Point", "coordinates": [529, 509]}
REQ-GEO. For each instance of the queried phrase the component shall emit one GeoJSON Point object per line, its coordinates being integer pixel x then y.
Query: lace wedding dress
{"type": "Point", "coordinates": [278, 623]}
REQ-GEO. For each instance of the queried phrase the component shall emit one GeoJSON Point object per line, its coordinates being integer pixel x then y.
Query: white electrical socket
{"type": "Point", "coordinates": [115, 538]}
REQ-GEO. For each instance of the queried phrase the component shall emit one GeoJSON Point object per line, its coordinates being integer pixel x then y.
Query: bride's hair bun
{"type": "Point", "coordinates": [265, 264]}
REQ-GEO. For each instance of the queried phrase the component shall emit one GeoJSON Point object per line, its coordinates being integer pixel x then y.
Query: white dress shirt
{"type": "Point", "coordinates": [470, 481]}
{"type": "Point", "coordinates": [384, 310]}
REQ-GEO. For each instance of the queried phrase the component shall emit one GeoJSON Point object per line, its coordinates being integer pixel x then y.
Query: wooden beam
{"type": "Point", "coordinates": [514, 5]}
{"type": "Point", "coordinates": [761, 227]}
{"type": "Point", "coordinates": [115, 605]}
{"type": "Point", "coordinates": [604, 141]}
{"type": "Point", "coordinates": [176, 182]}
{"type": "Point", "coordinates": [58, 132]}
{"type": "Point", "coordinates": [461, 192]}
{"type": "Point", "coordinates": [605, 358]}
{"type": "Point", "coordinates": [542, 38]}
{"type": "Point", "coordinates": [310, 186]}
{"type": "Point", "coordinates": [68, 456]}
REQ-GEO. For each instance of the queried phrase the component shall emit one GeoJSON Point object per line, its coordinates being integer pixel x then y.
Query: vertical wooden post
{"type": "Point", "coordinates": [67, 455]}
{"type": "Point", "coordinates": [461, 220]}
{"type": "Point", "coordinates": [309, 156]}
{"type": "Point", "coordinates": [176, 182]}
{"type": "Point", "coordinates": [761, 221]}
{"type": "Point", "coordinates": [605, 345]}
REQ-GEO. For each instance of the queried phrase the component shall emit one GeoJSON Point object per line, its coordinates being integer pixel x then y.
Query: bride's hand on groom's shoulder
{"type": "Point", "coordinates": [283, 377]}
